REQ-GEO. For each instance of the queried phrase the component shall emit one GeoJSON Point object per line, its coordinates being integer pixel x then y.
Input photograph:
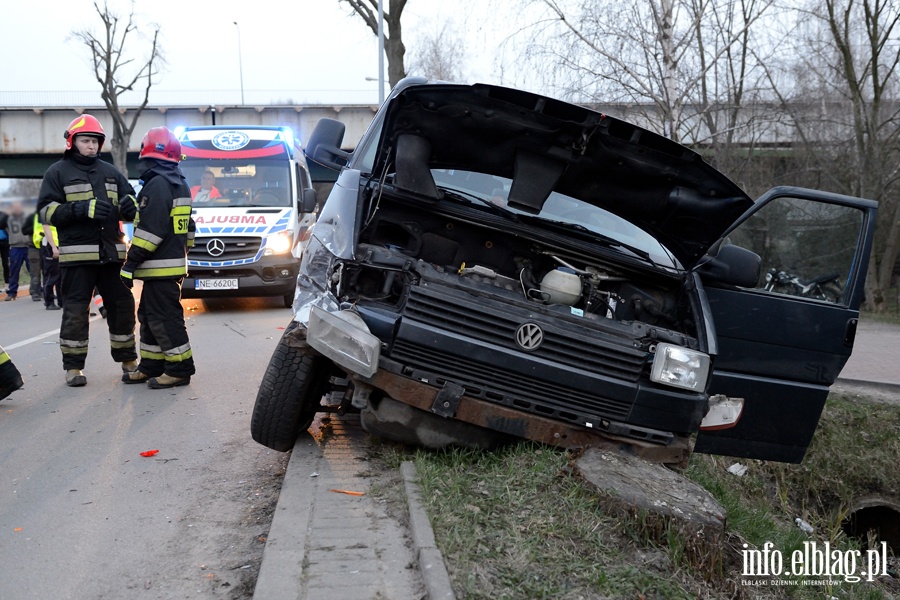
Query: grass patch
{"type": "Point", "coordinates": [516, 523]}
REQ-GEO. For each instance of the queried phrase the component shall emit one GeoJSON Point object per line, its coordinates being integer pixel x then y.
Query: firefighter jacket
{"type": "Point", "coordinates": [84, 241]}
{"type": "Point", "coordinates": [164, 229]}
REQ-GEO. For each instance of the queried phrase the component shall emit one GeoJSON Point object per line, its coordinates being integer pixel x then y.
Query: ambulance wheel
{"type": "Point", "coordinates": [288, 396]}
{"type": "Point", "coordinates": [288, 300]}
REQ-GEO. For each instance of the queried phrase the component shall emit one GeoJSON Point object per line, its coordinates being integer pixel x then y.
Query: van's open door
{"type": "Point", "coordinates": [784, 342]}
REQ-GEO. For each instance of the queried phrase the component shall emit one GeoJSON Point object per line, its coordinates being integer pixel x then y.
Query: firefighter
{"type": "Point", "coordinates": [10, 378]}
{"type": "Point", "coordinates": [85, 198]}
{"type": "Point", "coordinates": [163, 232]}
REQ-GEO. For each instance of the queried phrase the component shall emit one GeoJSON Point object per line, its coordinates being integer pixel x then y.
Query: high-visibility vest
{"type": "Point", "coordinates": [37, 236]}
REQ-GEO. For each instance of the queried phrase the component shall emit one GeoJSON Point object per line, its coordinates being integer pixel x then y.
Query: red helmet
{"type": "Point", "coordinates": [84, 125]}
{"type": "Point", "coordinates": [161, 143]}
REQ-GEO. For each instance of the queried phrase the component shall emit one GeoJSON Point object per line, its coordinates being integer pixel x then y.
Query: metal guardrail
{"type": "Point", "coordinates": [85, 99]}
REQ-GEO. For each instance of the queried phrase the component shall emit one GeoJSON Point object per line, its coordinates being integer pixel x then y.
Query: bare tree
{"type": "Point", "coordinates": [681, 63]}
{"type": "Point", "coordinates": [845, 104]}
{"type": "Point", "coordinates": [393, 36]}
{"type": "Point", "coordinates": [438, 54]}
{"type": "Point", "coordinates": [117, 72]}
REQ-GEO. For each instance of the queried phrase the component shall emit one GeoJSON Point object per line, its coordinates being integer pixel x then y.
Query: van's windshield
{"type": "Point", "coordinates": [257, 182]}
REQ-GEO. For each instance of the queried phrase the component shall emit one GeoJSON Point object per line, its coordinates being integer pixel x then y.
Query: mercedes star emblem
{"type": "Point", "coordinates": [215, 247]}
{"type": "Point", "coordinates": [529, 336]}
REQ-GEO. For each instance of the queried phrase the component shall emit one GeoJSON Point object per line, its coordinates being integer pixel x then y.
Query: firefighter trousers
{"type": "Point", "coordinates": [78, 283]}
{"type": "Point", "coordinates": [165, 347]}
{"type": "Point", "coordinates": [10, 378]}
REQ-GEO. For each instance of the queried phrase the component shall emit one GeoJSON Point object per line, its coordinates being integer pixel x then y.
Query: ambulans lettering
{"type": "Point", "coordinates": [230, 219]}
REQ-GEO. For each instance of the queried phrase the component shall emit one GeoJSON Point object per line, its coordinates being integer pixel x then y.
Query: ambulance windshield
{"type": "Point", "coordinates": [218, 183]}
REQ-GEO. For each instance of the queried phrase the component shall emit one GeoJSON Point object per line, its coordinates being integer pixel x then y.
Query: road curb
{"type": "Point", "coordinates": [431, 562]}
{"type": "Point", "coordinates": [862, 383]}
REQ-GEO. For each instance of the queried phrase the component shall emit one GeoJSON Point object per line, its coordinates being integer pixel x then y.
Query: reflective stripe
{"type": "Point", "coordinates": [145, 239]}
{"type": "Point", "coordinates": [178, 211]}
{"type": "Point", "coordinates": [149, 351]}
{"type": "Point", "coordinates": [122, 251]}
{"type": "Point", "coordinates": [73, 346]}
{"type": "Point", "coordinates": [190, 239]}
{"type": "Point", "coordinates": [77, 187]}
{"type": "Point", "coordinates": [120, 345]}
{"type": "Point", "coordinates": [76, 249]}
{"type": "Point", "coordinates": [67, 350]}
{"type": "Point", "coordinates": [77, 253]}
{"type": "Point", "coordinates": [4, 357]}
{"type": "Point", "coordinates": [161, 268]}
{"type": "Point", "coordinates": [79, 257]}
{"type": "Point", "coordinates": [181, 201]}
{"type": "Point", "coordinates": [179, 354]}
{"type": "Point", "coordinates": [121, 340]}
{"type": "Point", "coordinates": [163, 272]}
{"type": "Point", "coordinates": [47, 211]}
{"type": "Point", "coordinates": [112, 192]}
{"type": "Point", "coordinates": [79, 196]}
{"type": "Point", "coordinates": [125, 274]}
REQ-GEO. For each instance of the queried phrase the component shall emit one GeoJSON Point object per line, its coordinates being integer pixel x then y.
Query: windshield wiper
{"type": "Point", "coordinates": [466, 196]}
{"type": "Point", "coordinates": [609, 241]}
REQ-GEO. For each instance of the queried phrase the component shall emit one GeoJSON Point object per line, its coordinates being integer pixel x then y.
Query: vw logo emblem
{"type": "Point", "coordinates": [231, 140]}
{"type": "Point", "coordinates": [529, 336]}
{"type": "Point", "coordinates": [215, 247]}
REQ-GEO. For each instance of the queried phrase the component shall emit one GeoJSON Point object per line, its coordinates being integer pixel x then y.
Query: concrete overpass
{"type": "Point", "coordinates": [31, 138]}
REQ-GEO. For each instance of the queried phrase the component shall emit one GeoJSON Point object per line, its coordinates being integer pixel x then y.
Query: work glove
{"type": "Point", "coordinates": [128, 208]}
{"type": "Point", "coordinates": [127, 278]}
{"type": "Point", "coordinates": [92, 209]}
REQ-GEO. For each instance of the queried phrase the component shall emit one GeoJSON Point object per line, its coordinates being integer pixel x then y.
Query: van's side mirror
{"type": "Point", "coordinates": [733, 265]}
{"type": "Point", "coordinates": [324, 145]}
{"type": "Point", "coordinates": [308, 201]}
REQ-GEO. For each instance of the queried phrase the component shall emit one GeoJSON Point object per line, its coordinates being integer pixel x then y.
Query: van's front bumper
{"type": "Point", "coordinates": [269, 276]}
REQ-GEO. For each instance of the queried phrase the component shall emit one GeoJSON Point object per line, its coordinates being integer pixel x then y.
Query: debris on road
{"type": "Point", "coordinates": [737, 469]}
{"type": "Point", "coordinates": [348, 492]}
{"type": "Point", "coordinates": [149, 453]}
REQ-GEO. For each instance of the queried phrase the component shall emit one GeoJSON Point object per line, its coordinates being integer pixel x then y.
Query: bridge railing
{"type": "Point", "coordinates": [85, 99]}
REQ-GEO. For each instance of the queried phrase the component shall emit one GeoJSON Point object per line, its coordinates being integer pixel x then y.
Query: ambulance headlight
{"type": "Point", "coordinates": [680, 367]}
{"type": "Point", "coordinates": [344, 338]}
{"type": "Point", "coordinates": [279, 243]}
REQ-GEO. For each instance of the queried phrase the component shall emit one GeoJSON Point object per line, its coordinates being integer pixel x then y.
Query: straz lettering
{"type": "Point", "coordinates": [180, 224]}
{"type": "Point", "coordinates": [231, 220]}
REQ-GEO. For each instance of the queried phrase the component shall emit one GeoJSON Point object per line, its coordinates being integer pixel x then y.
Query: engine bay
{"type": "Point", "coordinates": [403, 245]}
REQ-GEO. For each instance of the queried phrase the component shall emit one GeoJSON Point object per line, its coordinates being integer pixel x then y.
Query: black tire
{"type": "Point", "coordinates": [288, 396]}
{"type": "Point", "coordinates": [288, 300]}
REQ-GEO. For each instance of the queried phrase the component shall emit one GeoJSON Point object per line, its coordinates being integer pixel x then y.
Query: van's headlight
{"type": "Point", "coordinates": [680, 367]}
{"type": "Point", "coordinates": [344, 338]}
{"type": "Point", "coordinates": [279, 243]}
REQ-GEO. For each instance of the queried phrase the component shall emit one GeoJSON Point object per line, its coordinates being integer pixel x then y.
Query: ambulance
{"type": "Point", "coordinates": [253, 203]}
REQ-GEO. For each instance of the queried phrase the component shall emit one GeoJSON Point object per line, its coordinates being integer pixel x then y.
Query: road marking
{"type": "Point", "coordinates": [38, 338]}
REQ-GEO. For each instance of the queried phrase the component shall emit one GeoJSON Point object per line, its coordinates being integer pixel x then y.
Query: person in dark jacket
{"type": "Point", "coordinates": [4, 249]}
{"type": "Point", "coordinates": [19, 240]}
{"type": "Point", "coordinates": [10, 378]}
{"type": "Point", "coordinates": [35, 262]}
{"type": "Point", "coordinates": [163, 233]}
{"type": "Point", "coordinates": [85, 198]}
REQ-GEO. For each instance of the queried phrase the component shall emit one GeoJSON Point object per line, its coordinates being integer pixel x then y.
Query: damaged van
{"type": "Point", "coordinates": [494, 264]}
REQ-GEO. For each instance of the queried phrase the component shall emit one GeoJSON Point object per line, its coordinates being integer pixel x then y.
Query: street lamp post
{"type": "Point", "coordinates": [240, 61]}
{"type": "Point", "coordinates": [380, 51]}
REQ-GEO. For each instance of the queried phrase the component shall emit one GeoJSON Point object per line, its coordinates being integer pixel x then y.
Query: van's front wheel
{"type": "Point", "coordinates": [289, 395]}
{"type": "Point", "coordinates": [288, 300]}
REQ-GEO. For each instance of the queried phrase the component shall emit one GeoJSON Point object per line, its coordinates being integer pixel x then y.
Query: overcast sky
{"type": "Point", "coordinates": [286, 45]}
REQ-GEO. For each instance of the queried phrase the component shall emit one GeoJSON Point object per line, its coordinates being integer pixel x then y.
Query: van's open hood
{"type": "Point", "coordinates": [546, 145]}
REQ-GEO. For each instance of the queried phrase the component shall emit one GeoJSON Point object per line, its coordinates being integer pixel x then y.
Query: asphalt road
{"type": "Point", "coordinates": [84, 515]}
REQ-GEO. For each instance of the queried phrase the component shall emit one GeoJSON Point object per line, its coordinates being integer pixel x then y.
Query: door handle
{"type": "Point", "coordinates": [850, 332]}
